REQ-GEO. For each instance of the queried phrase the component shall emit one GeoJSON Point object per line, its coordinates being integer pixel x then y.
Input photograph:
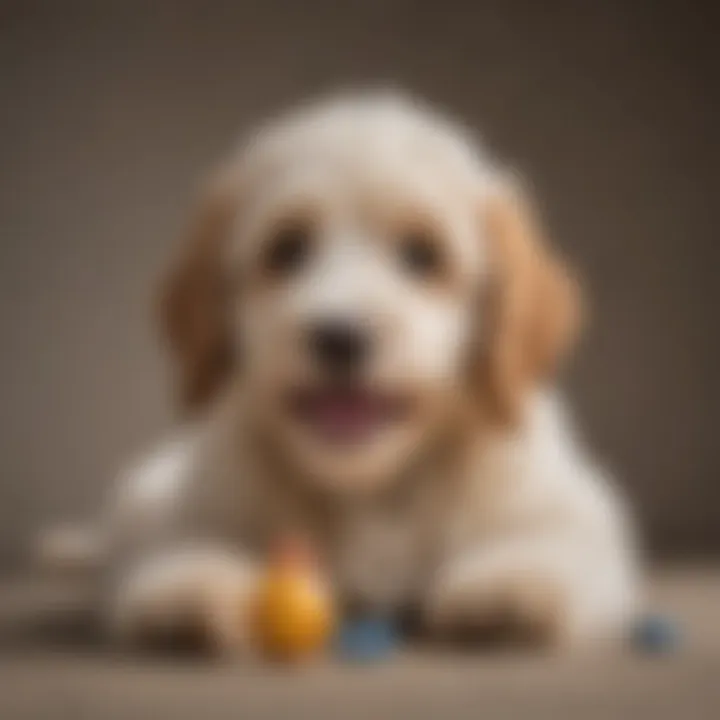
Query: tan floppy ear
{"type": "Point", "coordinates": [534, 305]}
{"type": "Point", "coordinates": [193, 302]}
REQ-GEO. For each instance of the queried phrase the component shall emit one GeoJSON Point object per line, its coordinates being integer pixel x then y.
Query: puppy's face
{"type": "Point", "coordinates": [356, 278]}
{"type": "Point", "coordinates": [353, 256]}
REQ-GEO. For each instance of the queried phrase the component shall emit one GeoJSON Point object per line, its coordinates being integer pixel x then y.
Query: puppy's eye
{"type": "Point", "coordinates": [420, 254]}
{"type": "Point", "coordinates": [288, 249]}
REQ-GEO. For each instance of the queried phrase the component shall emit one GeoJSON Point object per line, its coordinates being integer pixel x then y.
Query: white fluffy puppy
{"type": "Point", "coordinates": [366, 322]}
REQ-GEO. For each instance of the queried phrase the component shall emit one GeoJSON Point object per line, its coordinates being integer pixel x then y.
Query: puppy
{"type": "Point", "coordinates": [366, 323]}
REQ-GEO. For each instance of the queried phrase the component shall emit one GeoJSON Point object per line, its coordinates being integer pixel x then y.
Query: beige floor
{"type": "Point", "coordinates": [50, 667]}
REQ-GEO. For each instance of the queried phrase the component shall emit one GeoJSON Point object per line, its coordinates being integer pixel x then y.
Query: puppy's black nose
{"type": "Point", "coordinates": [340, 346]}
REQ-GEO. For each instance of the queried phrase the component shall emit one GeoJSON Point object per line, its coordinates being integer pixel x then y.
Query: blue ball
{"type": "Point", "coordinates": [366, 639]}
{"type": "Point", "coordinates": [655, 634]}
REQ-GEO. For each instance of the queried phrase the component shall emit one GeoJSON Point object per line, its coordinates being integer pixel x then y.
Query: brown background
{"type": "Point", "coordinates": [112, 110]}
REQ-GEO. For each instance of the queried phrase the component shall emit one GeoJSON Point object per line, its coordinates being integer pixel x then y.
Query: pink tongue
{"type": "Point", "coordinates": [345, 417]}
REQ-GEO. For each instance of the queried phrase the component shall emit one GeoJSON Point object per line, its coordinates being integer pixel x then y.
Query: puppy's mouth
{"type": "Point", "coordinates": [348, 416]}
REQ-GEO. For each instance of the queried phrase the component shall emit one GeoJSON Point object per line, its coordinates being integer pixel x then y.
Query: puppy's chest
{"type": "Point", "coordinates": [379, 553]}
{"type": "Point", "coordinates": [379, 557]}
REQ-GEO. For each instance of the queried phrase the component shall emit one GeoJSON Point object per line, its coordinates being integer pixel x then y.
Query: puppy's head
{"type": "Point", "coordinates": [364, 272]}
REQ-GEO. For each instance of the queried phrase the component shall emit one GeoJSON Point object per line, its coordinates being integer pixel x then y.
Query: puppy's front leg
{"type": "Point", "coordinates": [544, 591]}
{"type": "Point", "coordinates": [190, 595]}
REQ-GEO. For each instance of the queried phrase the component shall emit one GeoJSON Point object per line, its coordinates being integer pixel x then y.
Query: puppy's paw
{"type": "Point", "coordinates": [517, 609]}
{"type": "Point", "coordinates": [196, 600]}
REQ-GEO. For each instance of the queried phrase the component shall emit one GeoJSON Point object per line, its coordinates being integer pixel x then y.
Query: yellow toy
{"type": "Point", "coordinates": [293, 612]}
